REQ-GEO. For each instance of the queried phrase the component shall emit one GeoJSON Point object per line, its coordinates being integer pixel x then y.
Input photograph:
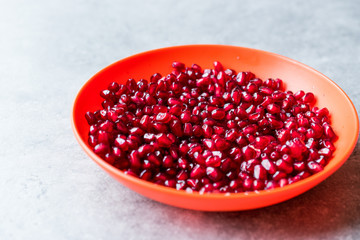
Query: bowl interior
{"type": "Point", "coordinates": [295, 75]}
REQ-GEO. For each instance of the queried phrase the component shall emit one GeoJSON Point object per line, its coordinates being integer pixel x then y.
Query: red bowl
{"type": "Point", "coordinates": [295, 75]}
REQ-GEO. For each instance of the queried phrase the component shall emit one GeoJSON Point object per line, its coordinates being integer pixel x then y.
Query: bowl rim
{"type": "Point", "coordinates": [183, 193]}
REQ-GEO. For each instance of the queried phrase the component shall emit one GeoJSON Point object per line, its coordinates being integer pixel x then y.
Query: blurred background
{"type": "Point", "coordinates": [48, 49]}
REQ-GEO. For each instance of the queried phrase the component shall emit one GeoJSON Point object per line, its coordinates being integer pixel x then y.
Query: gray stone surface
{"type": "Point", "coordinates": [51, 190]}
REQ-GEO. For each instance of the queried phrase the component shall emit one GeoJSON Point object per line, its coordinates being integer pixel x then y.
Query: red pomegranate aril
{"type": "Point", "coordinates": [213, 161]}
{"type": "Point", "coordinates": [284, 166]}
{"type": "Point", "coordinates": [278, 175]}
{"type": "Point", "coordinates": [193, 183]}
{"type": "Point", "coordinates": [135, 161]}
{"type": "Point", "coordinates": [103, 137]}
{"type": "Point", "coordinates": [296, 148]}
{"type": "Point", "coordinates": [106, 126]}
{"type": "Point", "coordinates": [206, 189]}
{"type": "Point", "coordinates": [318, 130]}
{"type": "Point", "coordinates": [207, 130]}
{"type": "Point", "coordinates": [185, 117]}
{"type": "Point", "coordinates": [221, 144]}
{"type": "Point", "coordinates": [258, 185]}
{"type": "Point", "coordinates": [93, 129]}
{"type": "Point", "coordinates": [178, 65]}
{"type": "Point", "coordinates": [163, 117]}
{"type": "Point", "coordinates": [160, 127]}
{"type": "Point", "coordinates": [113, 87]}
{"type": "Point", "coordinates": [214, 174]}
{"type": "Point", "coordinates": [145, 149]}
{"type": "Point", "coordinates": [259, 172]}
{"type": "Point", "coordinates": [182, 175]}
{"type": "Point", "coordinates": [329, 132]}
{"type": "Point", "coordinates": [180, 185]}
{"type": "Point", "coordinates": [273, 108]}
{"type": "Point", "coordinates": [314, 167]}
{"type": "Point", "coordinates": [188, 129]}
{"type": "Point", "coordinates": [117, 152]}
{"type": "Point", "coordinates": [230, 124]}
{"type": "Point", "coordinates": [308, 98]}
{"type": "Point", "coordinates": [163, 140]}
{"type": "Point", "coordinates": [197, 172]}
{"type": "Point", "coordinates": [183, 163]}
{"type": "Point", "coordinates": [235, 184]}
{"type": "Point", "coordinates": [197, 131]}
{"type": "Point", "coordinates": [269, 166]}
{"type": "Point", "coordinates": [299, 166]}
{"type": "Point", "coordinates": [90, 118]}
{"type": "Point", "coordinates": [218, 114]}
{"type": "Point", "coordinates": [321, 160]}
{"type": "Point", "coordinates": [101, 148]}
{"type": "Point", "coordinates": [247, 184]}
{"type": "Point", "coordinates": [155, 160]}
{"type": "Point", "coordinates": [218, 66]}
{"type": "Point", "coordinates": [325, 152]}
{"type": "Point", "coordinates": [329, 145]}
{"type": "Point", "coordinates": [210, 144]}
{"type": "Point", "coordinates": [145, 122]}
{"type": "Point", "coordinates": [176, 128]}
{"type": "Point", "coordinates": [137, 131]}
{"type": "Point", "coordinates": [231, 135]}
{"type": "Point", "coordinates": [322, 112]}
{"type": "Point", "coordinates": [170, 183]}
{"type": "Point", "coordinates": [283, 182]}
{"type": "Point", "coordinates": [276, 124]}
{"type": "Point", "coordinates": [198, 158]}
{"type": "Point", "coordinates": [266, 90]}
{"type": "Point", "coordinates": [298, 95]}
{"type": "Point", "coordinates": [262, 141]}
{"type": "Point", "coordinates": [168, 161]}
{"type": "Point", "coordinates": [249, 152]}
{"type": "Point", "coordinates": [271, 185]}
{"type": "Point", "coordinates": [122, 144]}
{"type": "Point", "coordinates": [146, 175]}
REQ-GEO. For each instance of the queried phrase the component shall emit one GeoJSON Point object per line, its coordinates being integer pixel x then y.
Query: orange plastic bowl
{"type": "Point", "coordinates": [295, 75]}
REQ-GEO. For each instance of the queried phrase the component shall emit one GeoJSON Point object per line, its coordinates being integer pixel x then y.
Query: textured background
{"type": "Point", "coordinates": [49, 189]}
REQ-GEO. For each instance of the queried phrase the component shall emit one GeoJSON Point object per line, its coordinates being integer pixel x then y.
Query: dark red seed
{"type": "Point", "coordinates": [259, 172]}
{"type": "Point", "coordinates": [218, 66]}
{"type": "Point", "coordinates": [218, 114]}
{"type": "Point", "coordinates": [214, 174]}
{"type": "Point", "coordinates": [178, 65]}
{"type": "Point", "coordinates": [197, 172]}
{"type": "Point", "coordinates": [163, 117]}
{"type": "Point", "coordinates": [101, 148]}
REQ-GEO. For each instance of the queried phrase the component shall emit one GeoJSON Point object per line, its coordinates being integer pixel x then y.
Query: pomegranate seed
{"type": "Point", "coordinates": [163, 117]}
{"type": "Point", "coordinates": [197, 172]}
{"type": "Point", "coordinates": [178, 65]}
{"type": "Point", "coordinates": [329, 133]}
{"type": "Point", "coordinates": [269, 166]}
{"type": "Point", "coordinates": [259, 172]}
{"type": "Point", "coordinates": [101, 148]}
{"type": "Point", "coordinates": [314, 167]}
{"type": "Point", "coordinates": [218, 114]}
{"type": "Point", "coordinates": [218, 66]}
{"type": "Point", "coordinates": [326, 152]}
{"type": "Point", "coordinates": [214, 174]}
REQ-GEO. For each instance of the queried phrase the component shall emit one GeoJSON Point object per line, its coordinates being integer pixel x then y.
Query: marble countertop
{"type": "Point", "coordinates": [48, 49]}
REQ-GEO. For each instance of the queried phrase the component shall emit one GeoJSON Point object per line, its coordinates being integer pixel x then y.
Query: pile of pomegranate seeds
{"type": "Point", "coordinates": [211, 130]}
